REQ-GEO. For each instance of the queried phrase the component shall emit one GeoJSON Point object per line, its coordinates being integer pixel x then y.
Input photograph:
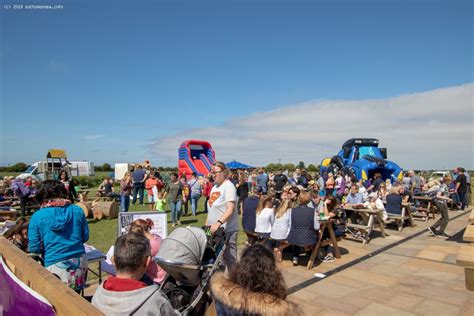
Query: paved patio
{"type": "Point", "coordinates": [418, 276]}
{"type": "Point", "coordinates": [407, 273]}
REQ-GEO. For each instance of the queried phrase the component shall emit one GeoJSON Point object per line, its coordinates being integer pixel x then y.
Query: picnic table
{"type": "Point", "coordinates": [31, 204]}
{"type": "Point", "coordinates": [406, 214]}
{"type": "Point", "coordinates": [324, 225]}
{"type": "Point", "coordinates": [374, 217]}
{"type": "Point", "coordinates": [425, 208]}
{"type": "Point", "coordinates": [93, 255]}
{"type": "Point", "coordinates": [11, 213]}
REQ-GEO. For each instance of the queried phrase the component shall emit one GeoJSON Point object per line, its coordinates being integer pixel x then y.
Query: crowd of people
{"type": "Point", "coordinates": [277, 210]}
{"type": "Point", "coordinates": [284, 210]}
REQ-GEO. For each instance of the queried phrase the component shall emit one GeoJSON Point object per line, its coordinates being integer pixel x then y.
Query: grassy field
{"type": "Point", "coordinates": [104, 233]}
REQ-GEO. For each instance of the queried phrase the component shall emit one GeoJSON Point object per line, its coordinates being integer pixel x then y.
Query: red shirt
{"type": "Point", "coordinates": [122, 285]}
{"type": "Point", "coordinates": [207, 189]}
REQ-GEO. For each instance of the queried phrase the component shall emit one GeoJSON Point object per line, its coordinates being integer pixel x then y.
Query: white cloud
{"type": "Point", "coordinates": [426, 130]}
{"type": "Point", "coordinates": [93, 136]}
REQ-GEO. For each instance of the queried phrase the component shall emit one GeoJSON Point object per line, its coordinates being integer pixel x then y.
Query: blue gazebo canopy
{"type": "Point", "coordinates": [237, 165]}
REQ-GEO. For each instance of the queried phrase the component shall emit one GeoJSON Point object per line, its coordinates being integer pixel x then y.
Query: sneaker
{"type": "Point", "coordinates": [329, 258]}
{"type": "Point", "coordinates": [173, 225]}
{"type": "Point", "coordinates": [178, 223]}
{"type": "Point", "coordinates": [443, 235]}
{"type": "Point", "coordinates": [295, 261]}
{"type": "Point", "coordinates": [432, 231]}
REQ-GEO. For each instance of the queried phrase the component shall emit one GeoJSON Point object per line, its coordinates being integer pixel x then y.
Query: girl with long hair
{"type": "Point", "coordinates": [265, 216]}
{"type": "Point", "coordinates": [254, 286]}
{"type": "Point", "coordinates": [331, 212]}
{"type": "Point", "coordinates": [281, 228]}
{"type": "Point", "coordinates": [125, 191]}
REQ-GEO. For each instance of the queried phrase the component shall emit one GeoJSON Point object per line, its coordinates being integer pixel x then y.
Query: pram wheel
{"type": "Point", "coordinates": [179, 298]}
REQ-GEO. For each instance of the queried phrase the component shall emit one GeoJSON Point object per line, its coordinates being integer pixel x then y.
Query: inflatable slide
{"type": "Point", "coordinates": [195, 156]}
{"type": "Point", "coordinates": [362, 158]}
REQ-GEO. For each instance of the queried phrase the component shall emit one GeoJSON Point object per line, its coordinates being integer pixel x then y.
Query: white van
{"type": "Point", "coordinates": [77, 168]}
{"type": "Point", "coordinates": [439, 174]}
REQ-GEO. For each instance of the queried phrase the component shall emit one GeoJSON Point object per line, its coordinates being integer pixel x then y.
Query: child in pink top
{"type": "Point", "coordinates": [143, 227]}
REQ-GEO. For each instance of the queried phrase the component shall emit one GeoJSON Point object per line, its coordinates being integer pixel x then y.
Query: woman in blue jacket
{"type": "Point", "coordinates": [58, 232]}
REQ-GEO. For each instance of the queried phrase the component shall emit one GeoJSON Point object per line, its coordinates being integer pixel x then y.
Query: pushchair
{"type": "Point", "coordinates": [190, 256]}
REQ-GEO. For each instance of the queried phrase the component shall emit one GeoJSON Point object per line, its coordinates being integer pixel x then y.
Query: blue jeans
{"type": "Point", "coordinates": [194, 203]}
{"type": "Point", "coordinates": [463, 199]}
{"type": "Point", "coordinates": [138, 188]}
{"type": "Point", "coordinates": [124, 202]}
{"type": "Point", "coordinates": [175, 211]}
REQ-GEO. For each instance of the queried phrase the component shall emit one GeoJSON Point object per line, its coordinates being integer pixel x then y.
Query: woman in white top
{"type": "Point", "coordinates": [265, 217]}
{"type": "Point", "coordinates": [281, 228]}
{"type": "Point", "coordinates": [376, 203]}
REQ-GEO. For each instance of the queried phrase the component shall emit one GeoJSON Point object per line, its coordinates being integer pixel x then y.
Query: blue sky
{"type": "Point", "coordinates": [110, 81]}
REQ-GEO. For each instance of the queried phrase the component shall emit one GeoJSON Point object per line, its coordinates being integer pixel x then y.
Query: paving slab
{"type": "Point", "coordinates": [416, 277]}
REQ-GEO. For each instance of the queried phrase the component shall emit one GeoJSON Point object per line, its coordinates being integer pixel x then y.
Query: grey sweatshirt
{"type": "Point", "coordinates": [145, 301]}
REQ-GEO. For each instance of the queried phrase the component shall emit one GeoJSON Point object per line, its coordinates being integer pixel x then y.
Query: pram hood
{"type": "Point", "coordinates": [185, 245]}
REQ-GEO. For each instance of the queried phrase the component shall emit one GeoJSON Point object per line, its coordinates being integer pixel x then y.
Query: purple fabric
{"type": "Point", "coordinates": [20, 188]}
{"type": "Point", "coordinates": [18, 299]}
{"type": "Point", "coordinates": [342, 188]}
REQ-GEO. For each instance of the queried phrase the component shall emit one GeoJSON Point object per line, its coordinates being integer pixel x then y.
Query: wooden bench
{"type": "Point", "coordinates": [405, 215]}
{"type": "Point", "coordinates": [64, 300]}
{"type": "Point", "coordinates": [374, 217]}
{"type": "Point", "coordinates": [399, 219]}
{"type": "Point", "coordinates": [8, 214]}
{"type": "Point", "coordinates": [469, 233]}
{"type": "Point", "coordinates": [426, 208]}
{"type": "Point", "coordinates": [465, 256]}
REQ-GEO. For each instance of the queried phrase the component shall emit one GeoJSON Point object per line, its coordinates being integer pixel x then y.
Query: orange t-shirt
{"type": "Point", "coordinates": [149, 184]}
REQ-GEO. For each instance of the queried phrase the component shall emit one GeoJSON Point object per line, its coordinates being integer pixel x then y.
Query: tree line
{"type": "Point", "coordinates": [21, 166]}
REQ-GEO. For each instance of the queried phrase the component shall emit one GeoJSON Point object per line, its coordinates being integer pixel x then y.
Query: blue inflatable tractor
{"type": "Point", "coordinates": [362, 158]}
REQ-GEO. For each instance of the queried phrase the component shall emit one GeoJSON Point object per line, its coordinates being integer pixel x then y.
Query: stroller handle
{"type": "Point", "coordinates": [218, 238]}
{"type": "Point", "coordinates": [219, 232]}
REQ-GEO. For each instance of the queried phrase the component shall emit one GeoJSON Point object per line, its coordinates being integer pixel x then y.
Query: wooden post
{"type": "Point", "coordinates": [98, 215]}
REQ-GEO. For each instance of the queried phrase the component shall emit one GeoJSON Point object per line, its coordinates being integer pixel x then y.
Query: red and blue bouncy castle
{"type": "Point", "coordinates": [195, 156]}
